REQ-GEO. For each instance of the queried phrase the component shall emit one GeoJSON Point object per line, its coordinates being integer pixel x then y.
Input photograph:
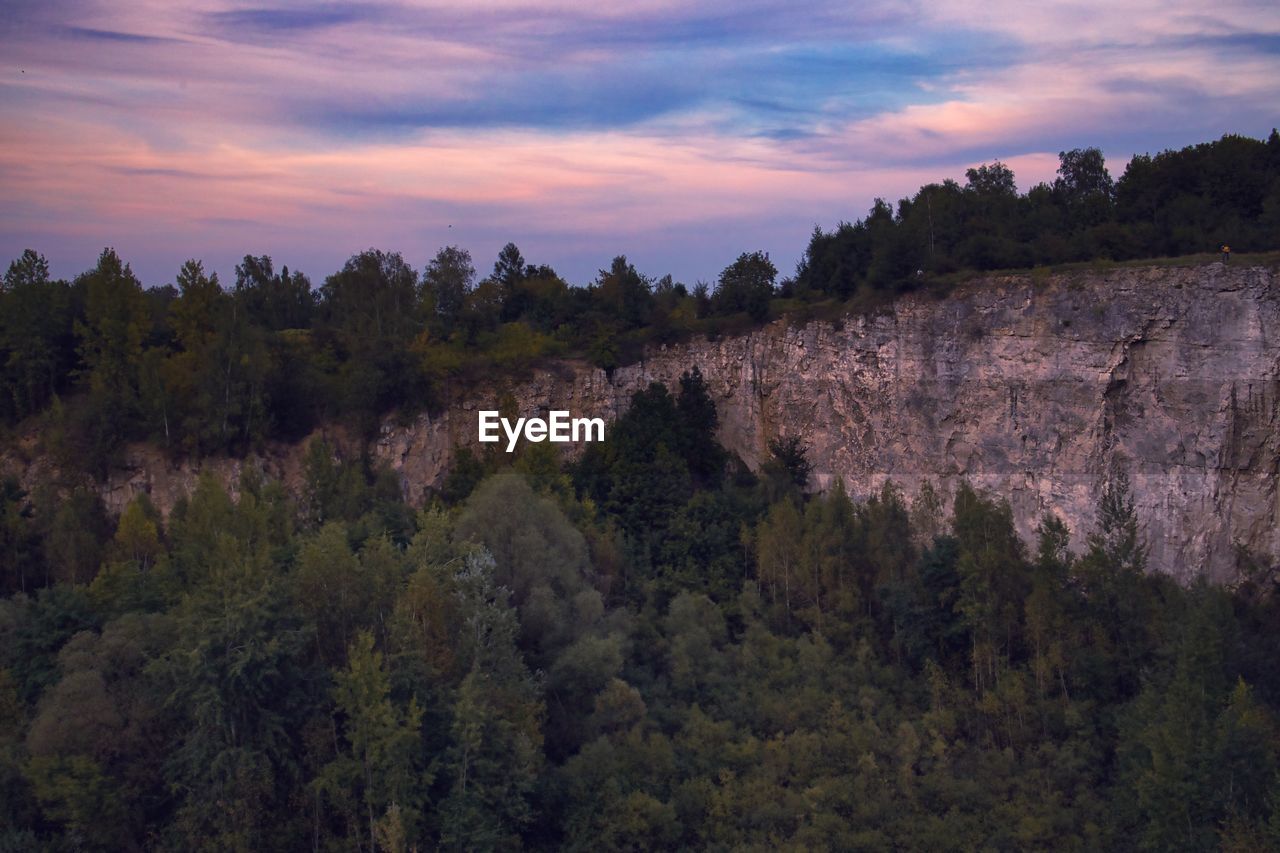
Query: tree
{"type": "Point", "coordinates": [37, 346]}
{"type": "Point", "coordinates": [371, 306]}
{"type": "Point", "coordinates": [698, 422]}
{"type": "Point", "coordinates": [779, 551]}
{"type": "Point", "coordinates": [111, 337]}
{"type": "Point", "coordinates": [275, 302]}
{"type": "Point", "coordinates": [74, 530]}
{"type": "Point", "coordinates": [1084, 186]}
{"type": "Point", "coordinates": [835, 575]}
{"type": "Point", "coordinates": [625, 293]}
{"type": "Point", "coordinates": [641, 472]}
{"type": "Point", "coordinates": [1049, 604]}
{"type": "Point", "coordinates": [19, 539]}
{"type": "Point", "coordinates": [446, 281]}
{"type": "Point", "coordinates": [538, 557]}
{"type": "Point", "coordinates": [993, 585]}
{"type": "Point", "coordinates": [31, 268]}
{"type": "Point", "coordinates": [237, 678]}
{"type": "Point", "coordinates": [495, 757]}
{"type": "Point", "coordinates": [1082, 172]}
{"type": "Point", "coordinates": [331, 591]}
{"type": "Point", "coordinates": [926, 624]}
{"type": "Point", "coordinates": [214, 383]}
{"type": "Point", "coordinates": [96, 742]}
{"type": "Point", "coordinates": [991, 181]}
{"type": "Point", "coordinates": [787, 471]}
{"type": "Point", "coordinates": [116, 321]}
{"type": "Point", "coordinates": [746, 285]}
{"type": "Point", "coordinates": [1110, 578]}
{"type": "Point", "coordinates": [1173, 777]}
{"type": "Point", "coordinates": [137, 535]}
{"type": "Point", "coordinates": [509, 268]}
{"type": "Point", "coordinates": [372, 299]}
{"type": "Point", "coordinates": [381, 764]}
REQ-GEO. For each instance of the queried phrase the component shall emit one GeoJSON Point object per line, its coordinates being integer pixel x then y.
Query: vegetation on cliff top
{"type": "Point", "coordinates": [199, 368]}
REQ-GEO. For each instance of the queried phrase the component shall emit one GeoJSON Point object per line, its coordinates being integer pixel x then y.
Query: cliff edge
{"type": "Point", "coordinates": [1036, 387]}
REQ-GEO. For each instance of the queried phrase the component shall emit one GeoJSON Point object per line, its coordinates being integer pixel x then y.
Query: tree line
{"type": "Point", "coordinates": [652, 648]}
{"type": "Point", "coordinates": [1192, 200]}
{"type": "Point", "coordinates": [198, 368]}
{"type": "Point", "coordinates": [201, 367]}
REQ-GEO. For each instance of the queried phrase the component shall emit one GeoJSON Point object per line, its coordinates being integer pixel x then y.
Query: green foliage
{"type": "Point", "coordinates": [746, 285]}
{"type": "Point", "coordinates": [786, 473]}
{"type": "Point", "coordinates": [116, 320]}
{"type": "Point", "coordinates": [213, 395]}
{"type": "Point", "coordinates": [1174, 203]}
{"type": "Point", "coordinates": [446, 281]}
{"type": "Point", "coordinates": [35, 629]}
{"type": "Point", "coordinates": [274, 301]}
{"type": "Point", "coordinates": [811, 672]}
{"type": "Point", "coordinates": [37, 342]}
{"type": "Point", "coordinates": [371, 311]}
{"type": "Point", "coordinates": [74, 792]}
{"type": "Point", "coordinates": [379, 774]}
{"type": "Point", "coordinates": [20, 557]}
{"type": "Point", "coordinates": [237, 678]}
{"type": "Point", "coordinates": [653, 457]}
{"type": "Point", "coordinates": [463, 477]}
{"type": "Point", "coordinates": [331, 591]}
{"type": "Point", "coordinates": [496, 736]}
{"type": "Point", "coordinates": [94, 762]}
{"type": "Point", "coordinates": [75, 530]}
{"type": "Point", "coordinates": [516, 347]}
{"type": "Point", "coordinates": [137, 536]}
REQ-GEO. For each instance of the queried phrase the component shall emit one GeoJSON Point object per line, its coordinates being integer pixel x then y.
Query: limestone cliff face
{"type": "Point", "coordinates": [1037, 388]}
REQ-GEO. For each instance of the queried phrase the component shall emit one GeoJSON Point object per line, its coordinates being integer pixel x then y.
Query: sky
{"type": "Point", "coordinates": [678, 133]}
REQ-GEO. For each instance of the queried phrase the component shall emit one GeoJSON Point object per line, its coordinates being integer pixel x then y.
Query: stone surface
{"type": "Point", "coordinates": [1036, 387]}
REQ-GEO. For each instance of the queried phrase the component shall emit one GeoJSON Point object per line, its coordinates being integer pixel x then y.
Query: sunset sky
{"type": "Point", "coordinates": [680, 134]}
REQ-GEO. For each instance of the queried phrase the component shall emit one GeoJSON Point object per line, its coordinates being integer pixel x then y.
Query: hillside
{"type": "Point", "coordinates": [1038, 388]}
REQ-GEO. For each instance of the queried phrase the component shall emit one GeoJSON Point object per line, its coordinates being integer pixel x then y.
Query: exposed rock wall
{"type": "Point", "coordinates": [1035, 387]}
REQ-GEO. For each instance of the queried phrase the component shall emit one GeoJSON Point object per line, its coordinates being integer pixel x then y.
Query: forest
{"type": "Point", "coordinates": [652, 648]}
{"type": "Point", "coordinates": [648, 647]}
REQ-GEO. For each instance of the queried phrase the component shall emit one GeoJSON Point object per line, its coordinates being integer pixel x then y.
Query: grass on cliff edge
{"type": "Point", "coordinates": [943, 284]}
{"type": "Point", "coordinates": [867, 301]}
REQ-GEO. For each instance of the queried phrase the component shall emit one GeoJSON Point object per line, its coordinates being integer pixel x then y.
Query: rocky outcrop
{"type": "Point", "coordinates": [1038, 388]}
{"type": "Point", "coordinates": [1035, 387]}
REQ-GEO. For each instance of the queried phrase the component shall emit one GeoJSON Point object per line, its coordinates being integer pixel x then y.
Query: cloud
{"type": "Point", "coordinates": [91, 34]}
{"type": "Point", "coordinates": [682, 129]}
{"type": "Point", "coordinates": [274, 21]}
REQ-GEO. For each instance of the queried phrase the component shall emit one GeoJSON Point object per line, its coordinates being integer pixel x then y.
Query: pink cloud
{"type": "Point", "coordinates": [120, 137]}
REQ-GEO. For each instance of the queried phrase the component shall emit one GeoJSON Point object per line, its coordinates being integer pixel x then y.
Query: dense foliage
{"type": "Point", "coordinates": [651, 649]}
{"type": "Point", "coordinates": [1196, 199]}
{"type": "Point", "coordinates": [198, 368]}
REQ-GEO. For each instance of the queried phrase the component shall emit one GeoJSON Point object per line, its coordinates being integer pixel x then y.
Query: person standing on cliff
{"type": "Point", "coordinates": [1226, 253]}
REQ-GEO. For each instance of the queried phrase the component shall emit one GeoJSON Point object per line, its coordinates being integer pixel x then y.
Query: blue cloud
{"type": "Point", "coordinates": [549, 100]}
{"type": "Point", "coordinates": [282, 20]}
{"type": "Point", "coordinates": [762, 69]}
{"type": "Point", "coordinates": [91, 34]}
{"type": "Point", "coordinates": [756, 90]}
{"type": "Point", "coordinates": [1267, 44]}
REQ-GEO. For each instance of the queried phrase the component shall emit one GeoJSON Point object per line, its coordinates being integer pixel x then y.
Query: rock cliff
{"type": "Point", "coordinates": [1036, 387]}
